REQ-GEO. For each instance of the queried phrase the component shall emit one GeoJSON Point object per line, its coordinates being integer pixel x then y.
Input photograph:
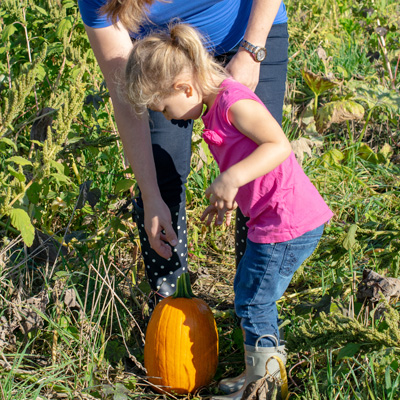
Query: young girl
{"type": "Point", "coordinates": [171, 72]}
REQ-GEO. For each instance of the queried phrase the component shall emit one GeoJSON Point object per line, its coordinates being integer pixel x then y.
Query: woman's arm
{"type": "Point", "coordinates": [243, 67]}
{"type": "Point", "coordinates": [254, 121]}
{"type": "Point", "coordinates": [111, 46]}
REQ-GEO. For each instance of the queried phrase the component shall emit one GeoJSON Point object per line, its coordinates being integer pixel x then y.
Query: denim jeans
{"type": "Point", "coordinates": [262, 277]}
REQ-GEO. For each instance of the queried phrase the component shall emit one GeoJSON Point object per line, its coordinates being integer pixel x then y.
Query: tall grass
{"type": "Point", "coordinates": [72, 325]}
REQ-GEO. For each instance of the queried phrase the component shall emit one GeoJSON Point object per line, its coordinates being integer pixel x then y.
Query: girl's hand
{"type": "Point", "coordinates": [211, 212]}
{"type": "Point", "coordinates": [221, 194]}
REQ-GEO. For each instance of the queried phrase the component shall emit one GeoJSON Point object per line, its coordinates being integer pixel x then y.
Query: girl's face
{"type": "Point", "coordinates": [185, 104]}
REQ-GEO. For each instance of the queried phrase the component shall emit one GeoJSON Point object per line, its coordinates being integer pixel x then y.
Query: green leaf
{"type": "Point", "coordinates": [69, 4]}
{"type": "Point", "coordinates": [9, 142]}
{"type": "Point", "coordinates": [21, 221]}
{"type": "Point", "coordinates": [366, 153]}
{"type": "Point", "coordinates": [317, 83]}
{"type": "Point", "coordinates": [331, 158]}
{"type": "Point", "coordinates": [123, 185]}
{"type": "Point", "coordinates": [40, 144]}
{"type": "Point", "coordinates": [8, 31]}
{"type": "Point", "coordinates": [33, 192]}
{"type": "Point", "coordinates": [54, 48]}
{"type": "Point", "coordinates": [388, 379]}
{"type": "Point", "coordinates": [145, 287]}
{"type": "Point", "coordinates": [336, 112]}
{"type": "Point", "coordinates": [385, 153]}
{"type": "Point", "coordinates": [58, 166]}
{"type": "Point", "coordinates": [121, 392]}
{"type": "Point", "coordinates": [62, 274]}
{"type": "Point", "coordinates": [348, 351]}
{"type": "Point", "coordinates": [107, 390]}
{"type": "Point", "coordinates": [350, 239]}
{"type": "Point", "coordinates": [41, 10]}
{"type": "Point", "coordinates": [19, 160]}
{"type": "Point", "coordinates": [376, 96]}
{"type": "Point", "coordinates": [342, 71]}
{"type": "Point", "coordinates": [40, 72]}
{"type": "Point", "coordinates": [114, 351]}
{"type": "Point", "coordinates": [207, 152]}
{"type": "Point", "coordinates": [74, 139]}
{"type": "Point", "coordinates": [64, 25]}
{"type": "Point", "coordinates": [61, 178]}
{"type": "Point", "coordinates": [20, 176]}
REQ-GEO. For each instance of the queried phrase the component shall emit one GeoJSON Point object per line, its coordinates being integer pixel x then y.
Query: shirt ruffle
{"type": "Point", "coordinates": [213, 137]}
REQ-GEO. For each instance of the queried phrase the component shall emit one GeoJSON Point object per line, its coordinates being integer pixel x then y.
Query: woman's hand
{"type": "Point", "coordinates": [158, 226]}
{"type": "Point", "coordinates": [244, 69]}
{"type": "Point", "coordinates": [221, 194]}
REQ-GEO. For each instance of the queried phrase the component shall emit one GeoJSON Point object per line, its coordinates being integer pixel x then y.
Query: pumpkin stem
{"type": "Point", "coordinates": [184, 288]}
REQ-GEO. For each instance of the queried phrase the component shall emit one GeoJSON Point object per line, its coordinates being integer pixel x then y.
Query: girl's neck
{"type": "Point", "coordinates": [209, 99]}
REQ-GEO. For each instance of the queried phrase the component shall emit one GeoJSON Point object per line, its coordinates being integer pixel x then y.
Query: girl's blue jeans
{"type": "Point", "coordinates": [262, 277]}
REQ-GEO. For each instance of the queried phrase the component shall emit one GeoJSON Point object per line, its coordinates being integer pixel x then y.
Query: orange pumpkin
{"type": "Point", "coordinates": [181, 348]}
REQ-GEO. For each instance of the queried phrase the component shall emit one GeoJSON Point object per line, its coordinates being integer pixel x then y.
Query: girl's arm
{"type": "Point", "coordinates": [253, 120]}
{"type": "Point", "coordinates": [243, 67]}
{"type": "Point", "coordinates": [111, 46]}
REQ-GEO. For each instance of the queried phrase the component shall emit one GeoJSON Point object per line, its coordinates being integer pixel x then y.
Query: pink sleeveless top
{"type": "Point", "coordinates": [283, 204]}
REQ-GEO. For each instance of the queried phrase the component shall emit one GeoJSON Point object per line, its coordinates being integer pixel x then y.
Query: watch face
{"type": "Point", "coordinates": [261, 54]}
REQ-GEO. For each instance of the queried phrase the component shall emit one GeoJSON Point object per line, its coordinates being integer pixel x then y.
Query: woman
{"type": "Point", "coordinates": [251, 36]}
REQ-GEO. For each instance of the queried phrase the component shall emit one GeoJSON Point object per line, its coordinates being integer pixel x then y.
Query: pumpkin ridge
{"type": "Point", "coordinates": [166, 371]}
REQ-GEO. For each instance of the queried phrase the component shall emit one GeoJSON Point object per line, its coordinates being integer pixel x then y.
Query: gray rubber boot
{"type": "Point", "coordinates": [256, 359]}
{"type": "Point", "coordinates": [232, 385]}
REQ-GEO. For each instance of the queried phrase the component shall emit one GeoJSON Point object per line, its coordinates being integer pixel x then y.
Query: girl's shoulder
{"type": "Point", "coordinates": [233, 91]}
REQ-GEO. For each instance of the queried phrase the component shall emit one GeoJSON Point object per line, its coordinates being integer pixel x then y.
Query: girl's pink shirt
{"type": "Point", "coordinates": [283, 204]}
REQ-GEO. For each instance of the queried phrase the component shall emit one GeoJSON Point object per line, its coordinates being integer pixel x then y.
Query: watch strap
{"type": "Point", "coordinates": [251, 48]}
{"type": "Point", "coordinates": [248, 46]}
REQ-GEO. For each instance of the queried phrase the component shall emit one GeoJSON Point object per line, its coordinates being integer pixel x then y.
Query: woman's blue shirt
{"type": "Point", "coordinates": [222, 22]}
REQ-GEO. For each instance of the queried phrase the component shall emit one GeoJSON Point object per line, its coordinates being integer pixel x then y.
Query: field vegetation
{"type": "Point", "coordinates": [73, 297]}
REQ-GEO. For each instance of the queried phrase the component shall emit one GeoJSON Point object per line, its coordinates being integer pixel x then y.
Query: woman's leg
{"type": "Point", "coordinates": [172, 151]}
{"type": "Point", "coordinates": [262, 278]}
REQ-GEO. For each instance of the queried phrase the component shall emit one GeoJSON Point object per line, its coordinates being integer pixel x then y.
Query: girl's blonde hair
{"type": "Point", "coordinates": [158, 59]}
{"type": "Point", "coordinates": [129, 12]}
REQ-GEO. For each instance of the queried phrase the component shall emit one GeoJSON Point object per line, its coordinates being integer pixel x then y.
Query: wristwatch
{"type": "Point", "coordinates": [259, 53]}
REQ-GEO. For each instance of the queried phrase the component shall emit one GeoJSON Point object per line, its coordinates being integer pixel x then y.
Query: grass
{"type": "Point", "coordinates": [86, 340]}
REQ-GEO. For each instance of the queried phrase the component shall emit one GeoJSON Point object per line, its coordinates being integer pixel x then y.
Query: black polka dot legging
{"type": "Point", "coordinates": [162, 274]}
{"type": "Point", "coordinates": [240, 235]}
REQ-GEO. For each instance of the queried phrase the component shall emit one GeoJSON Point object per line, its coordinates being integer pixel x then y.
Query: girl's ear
{"type": "Point", "coordinates": [184, 87]}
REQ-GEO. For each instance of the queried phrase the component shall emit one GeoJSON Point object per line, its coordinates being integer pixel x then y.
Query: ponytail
{"type": "Point", "coordinates": [129, 12]}
{"type": "Point", "coordinates": [158, 59]}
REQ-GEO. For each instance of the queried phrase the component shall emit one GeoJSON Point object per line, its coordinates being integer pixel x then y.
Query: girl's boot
{"type": "Point", "coordinates": [232, 385]}
{"type": "Point", "coordinates": [256, 359]}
